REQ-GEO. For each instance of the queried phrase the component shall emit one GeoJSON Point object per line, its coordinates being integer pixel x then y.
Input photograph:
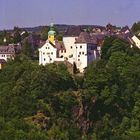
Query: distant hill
{"type": "Point", "coordinates": [60, 27]}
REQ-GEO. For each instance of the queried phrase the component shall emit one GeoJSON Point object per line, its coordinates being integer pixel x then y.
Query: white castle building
{"type": "Point", "coordinates": [77, 48]}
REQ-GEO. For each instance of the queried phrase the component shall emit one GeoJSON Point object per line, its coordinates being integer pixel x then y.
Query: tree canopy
{"type": "Point", "coordinates": [47, 102]}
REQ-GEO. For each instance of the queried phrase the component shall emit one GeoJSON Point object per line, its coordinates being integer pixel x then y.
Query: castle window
{"type": "Point", "coordinates": [80, 47]}
{"type": "Point", "coordinates": [71, 47]}
{"type": "Point", "coordinates": [64, 51]}
{"type": "Point", "coordinates": [70, 56]}
{"type": "Point", "coordinates": [82, 52]}
{"type": "Point", "coordinates": [79, 52]}
{"type": "Point", "coordinates": [44, 59]}
{"type": "Point", "coordinates": [48, 47]}
{"type": "Point", "coordinates": [78, 59]}
{"type": "Point", "coordinates": [51, 52]}
{"type": "Point", "coordinates": [43, 53]}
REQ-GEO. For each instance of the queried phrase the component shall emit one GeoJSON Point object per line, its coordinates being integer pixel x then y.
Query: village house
{"type": "Point", "coordinates": [9, 51]}
{"type": "Point", "coordinates": [126, 33]}
{"type": "Point", "coordinates": [6, 52]}
{"type": "Point", "coordinates": [77, 48]}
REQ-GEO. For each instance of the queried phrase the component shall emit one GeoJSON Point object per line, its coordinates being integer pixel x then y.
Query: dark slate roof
{"type": "Point", "coordinates": [98, 36]}
{"type": "Point", "coordinates": [60, 45]}
{"type": "Point", "coordinates": [10, 49]}
{"type": "Point", "coordinates": [129, 34]}
{"type": "Point", "coordinates": [2, 61]}
{"type": "Point", "coordinates": [73, 31]}
{"type": "Point", "coordinates": [85, 37]}
{"type": "Point", "coordinates": [124, 29]}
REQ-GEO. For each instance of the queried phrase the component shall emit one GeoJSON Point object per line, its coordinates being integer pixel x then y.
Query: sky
{"type": "Point", "coordinates": [30, 13]}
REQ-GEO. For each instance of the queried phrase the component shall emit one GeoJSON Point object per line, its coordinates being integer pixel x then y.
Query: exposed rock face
{"type": "Point", "coordinates": [81, 117]}
{"type": "Point", "coordinates": [39, 120]}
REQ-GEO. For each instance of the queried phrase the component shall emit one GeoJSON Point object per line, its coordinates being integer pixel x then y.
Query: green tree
{"type": "Point", "coordinates": [17, 36]}
{"type": "Point", "coordinates": [27, 48]}
{"type": "Point", "coordinates": [44, 33]}
{"type": "Point", "coordinates": [136, 27]}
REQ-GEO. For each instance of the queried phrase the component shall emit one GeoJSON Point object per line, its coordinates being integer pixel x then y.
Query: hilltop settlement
{"type": "Point", "coordinates": [70, 82]}
{"type": "Point", "coordinates": [75, 46]}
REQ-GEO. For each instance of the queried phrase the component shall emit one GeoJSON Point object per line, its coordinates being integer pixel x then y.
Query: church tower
{"type": "Point", "coordinates": [51, 34]}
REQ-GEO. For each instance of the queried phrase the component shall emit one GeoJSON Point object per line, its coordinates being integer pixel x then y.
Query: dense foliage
{"type": "Point", "coordinates": [136, 27]}
{"type": "Point", "coordinates": [48, 103]}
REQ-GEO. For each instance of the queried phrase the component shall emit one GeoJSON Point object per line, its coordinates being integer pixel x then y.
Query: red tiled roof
{"type": "Point", "coordinates": [73, 31]}
{"type": "Point", "coordinates": [10, 49]}
{"type": "Point", "coordinates": [85, 37]}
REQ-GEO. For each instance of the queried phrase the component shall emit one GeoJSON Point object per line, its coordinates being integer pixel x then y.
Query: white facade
{"type": "Point", "coordinates": [69, 43]}
{"type": "Point", "coordinates": [85, 53]}
{"type": "Point", "coordinates": [7, 52]}
{"type": "Point", "coordinates": [6, 56]}
{"type": "Point", "coordinates": [136, 41]}
{"type": "Point", "coordinates": [79, 53]}
{"type": "Point", "coordinates": [48, 54]}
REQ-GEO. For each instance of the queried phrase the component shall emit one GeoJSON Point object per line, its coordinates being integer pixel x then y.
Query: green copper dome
{"type": "Point", "coordinates": [51, 32]}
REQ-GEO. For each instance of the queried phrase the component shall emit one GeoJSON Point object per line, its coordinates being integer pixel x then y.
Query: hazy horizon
{"type": "Point", "coordinates": [32, 13]}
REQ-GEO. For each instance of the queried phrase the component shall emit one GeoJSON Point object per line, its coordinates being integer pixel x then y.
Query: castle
{"type": "Point", "coordinates": [76, 47]}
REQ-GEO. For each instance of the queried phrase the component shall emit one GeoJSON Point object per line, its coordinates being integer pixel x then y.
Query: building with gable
{"type": "Point", "coordinates": [7, 52]}
{"type": "Point", "coordinates": [77, 48]}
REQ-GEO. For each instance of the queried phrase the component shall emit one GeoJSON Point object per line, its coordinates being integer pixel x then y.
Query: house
{"type": "Point", "coordinates": [69, 39]}
{"type": "Point", "coordinates": [130, 37]}
{"type": "Point", "coordinates": [49, 52]}
{"type": "Point", "coordinates": [136, 41]}
{"type": "Point", "coordinates": [77, 48]}
{"type": "Point", "coordinates": [9, 52]}
{"type": "Point", "coordinates": [85, 51]}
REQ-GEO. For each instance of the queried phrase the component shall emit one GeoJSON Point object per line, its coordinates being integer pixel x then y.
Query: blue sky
{"type": "Point", "coordinates": [28, 13]}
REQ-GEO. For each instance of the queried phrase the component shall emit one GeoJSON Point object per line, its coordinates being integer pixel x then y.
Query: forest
{"type": "Point", "coordinates": [48, 103]}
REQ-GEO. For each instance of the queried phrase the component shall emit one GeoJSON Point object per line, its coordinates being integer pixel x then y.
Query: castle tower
{"type": "Point", "coordinates": [51, 34]}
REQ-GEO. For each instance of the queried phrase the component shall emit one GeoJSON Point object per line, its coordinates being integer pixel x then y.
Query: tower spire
{"type": "Point", "coordinates": [51, 33]}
